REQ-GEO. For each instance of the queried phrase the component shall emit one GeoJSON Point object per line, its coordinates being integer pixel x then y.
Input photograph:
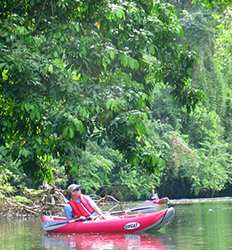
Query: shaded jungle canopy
{"type": "Point", "coordinates": [120, 96]}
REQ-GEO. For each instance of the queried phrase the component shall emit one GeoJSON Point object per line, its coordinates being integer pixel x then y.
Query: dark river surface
{"type": "Point", "coordinates": [198, 226]}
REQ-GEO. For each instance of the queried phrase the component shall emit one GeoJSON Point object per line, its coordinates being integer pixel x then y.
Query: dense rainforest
{"type": "Point", "coordinates": [123, 97]}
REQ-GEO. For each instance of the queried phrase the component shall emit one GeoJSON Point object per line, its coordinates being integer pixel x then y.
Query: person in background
{"type": "Point", "coordinates": [154, 198]}
{"type": "Point", "coordinates": [81, 206]}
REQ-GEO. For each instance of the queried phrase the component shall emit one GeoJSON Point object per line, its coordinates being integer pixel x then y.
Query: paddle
{"type": "Point", "coordinates": [136, 209]}
{"type": "Point", "coordinates": [52, 225]}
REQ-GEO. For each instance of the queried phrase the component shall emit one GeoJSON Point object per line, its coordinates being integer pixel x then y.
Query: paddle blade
{"type": "Point", "coordinates": [52, 225]}
{"type": "Point", "coordinates": [144, 209]}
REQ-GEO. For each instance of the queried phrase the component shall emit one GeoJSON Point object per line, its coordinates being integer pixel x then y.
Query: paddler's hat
{"type": "Point", "coordinates": [73, 187]}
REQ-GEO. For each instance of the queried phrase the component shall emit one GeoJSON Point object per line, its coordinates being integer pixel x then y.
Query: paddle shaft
{"type": "Point", "coordinates": [54, 225]}
{"type": "Point", "coordinates": [136, 209]}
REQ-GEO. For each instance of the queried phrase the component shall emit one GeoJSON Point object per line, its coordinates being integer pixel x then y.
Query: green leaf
{"type": "Point", "coordinates": [128, 61]}
{"type": "Point", "coordinates": [5, 74]}
{"type": "Point", "coordinates": [75, 76]}
{"type": "Point", "coordinates": [59, 63]}
{"type": "Point", "coordinates": [24, 152]}
{"type": "Point", "coordinates": [50, 68]}
{"type": "Point", "coordinates": [79, 126]}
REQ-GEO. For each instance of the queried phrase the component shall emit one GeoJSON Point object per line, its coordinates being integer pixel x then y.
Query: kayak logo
{"type": "Point", "coordinates": [131, 225]}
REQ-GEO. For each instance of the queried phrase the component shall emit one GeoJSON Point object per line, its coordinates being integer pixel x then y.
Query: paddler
{"type": "Point", "coordinates": [81, 206]}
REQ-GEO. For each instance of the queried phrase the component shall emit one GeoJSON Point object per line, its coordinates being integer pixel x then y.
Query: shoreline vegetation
{"type": "Point", "coordinates": [31, 202]}
{"type": "Point", "coordinates": [50, 200]}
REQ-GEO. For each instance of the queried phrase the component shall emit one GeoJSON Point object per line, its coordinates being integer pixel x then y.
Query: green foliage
{"type": "Point", "coordinates": [202, 126]}
{"type": "Point", "coordinates": [213, 171]}
{"type": "Point", "coordinates": [204, 171]}
{"type": "Point", "coordinates": [219, 5]}
{"type": "Point", "coordinates": [92, 92]}
{"type": "Point", "coordinates": [93, 169]}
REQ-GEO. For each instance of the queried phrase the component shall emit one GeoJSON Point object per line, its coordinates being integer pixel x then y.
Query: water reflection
{"type": "Point", "coordinates": [103, 242]}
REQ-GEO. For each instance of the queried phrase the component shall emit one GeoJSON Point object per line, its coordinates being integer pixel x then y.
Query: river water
{"type": "Point", "coordinates": [198, 226]}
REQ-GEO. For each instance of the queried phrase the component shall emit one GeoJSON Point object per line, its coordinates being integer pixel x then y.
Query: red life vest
{"type": "Point", "coordinates": [83, 208]}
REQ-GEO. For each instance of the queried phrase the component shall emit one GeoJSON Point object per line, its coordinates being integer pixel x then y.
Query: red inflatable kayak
{"type": "Point", "coordinates": [118, 224]}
